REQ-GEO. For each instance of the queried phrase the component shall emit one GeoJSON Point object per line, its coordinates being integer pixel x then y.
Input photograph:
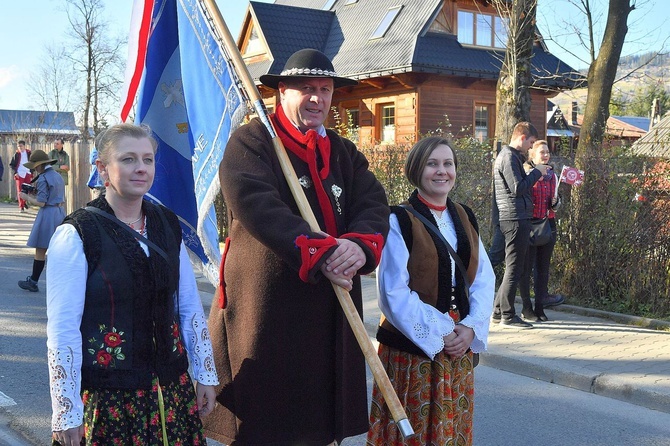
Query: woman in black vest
{"type": "Point", "coordinates": [124, 312]}
{"type": "Point", "coordinates": [435, 312]}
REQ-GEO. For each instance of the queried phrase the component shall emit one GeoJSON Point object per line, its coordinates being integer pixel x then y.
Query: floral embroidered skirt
{"type": "Point", "coordinates": [438, 397]}
{"type": "Point", "coordinates": [133, 417]}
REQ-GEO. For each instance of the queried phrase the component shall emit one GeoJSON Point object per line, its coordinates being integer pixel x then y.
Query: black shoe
{"type": "Point", "coordinates": [541, 316]}
{"type": "Point", "coordinates": [552, 300]}
{"type": "Point", "coordinates": [28, 284]}
{"type": "Point", "coordinates": [495, 318]}
{"type": "Point", "coordinates": [515, 322]}
{"type": "Point", "coordinates": [527, 314]}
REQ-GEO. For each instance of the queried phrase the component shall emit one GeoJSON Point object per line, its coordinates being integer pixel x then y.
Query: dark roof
{"type": "Point", "coordinates": [285, 34]}
{"type": "Point", "coordinates": [656, 143]}
{"type": "Point", "coordinates": [343, 34]}
{"type": "Point", "coordinates": [37, 122]}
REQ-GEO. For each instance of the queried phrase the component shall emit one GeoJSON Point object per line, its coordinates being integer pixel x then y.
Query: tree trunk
{"type": "Point", "coordinates": [601, 76]}
{"type": "Point", "coordinates": [595, 196]}
{"type": "Point", "coordinates": [513, 90]}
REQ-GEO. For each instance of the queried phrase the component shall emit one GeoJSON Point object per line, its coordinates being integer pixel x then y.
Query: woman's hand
{"type": "Point", "coordinates": [206, 398]}
{"type": "Point", "coordinates": [70, 437]}
{"type": "Point", "coordinates": [459, 344]}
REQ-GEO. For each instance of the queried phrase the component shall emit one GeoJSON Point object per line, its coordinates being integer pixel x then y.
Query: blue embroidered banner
{"type": "Point", "coordinates": [190, 100]}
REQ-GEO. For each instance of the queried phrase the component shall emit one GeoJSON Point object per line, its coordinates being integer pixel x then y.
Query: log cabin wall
{"type": "Point", "coordinates": [420, 107]}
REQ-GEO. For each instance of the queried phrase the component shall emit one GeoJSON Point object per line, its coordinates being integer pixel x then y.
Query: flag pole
{"type": "Point", "coordinates": [343, 296]}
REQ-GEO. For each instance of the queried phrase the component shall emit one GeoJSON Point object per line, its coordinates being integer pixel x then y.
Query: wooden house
{"type": "Point", "coordinates": [560, 135]}
{"type": "Point", "coordinates": [421, 64]}
{"type": "Point", "coordinates": [656, 142]}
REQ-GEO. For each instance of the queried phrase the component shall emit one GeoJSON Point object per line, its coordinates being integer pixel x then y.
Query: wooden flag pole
{"type": "Point", "coordinates": [343, 296]}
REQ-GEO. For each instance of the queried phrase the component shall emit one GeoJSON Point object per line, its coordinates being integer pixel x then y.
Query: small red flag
{"type": "Point", "coordinates": [572, 175]}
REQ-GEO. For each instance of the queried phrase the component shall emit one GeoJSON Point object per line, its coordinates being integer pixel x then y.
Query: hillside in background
{"type": "Point", "coordinates": [635, 72]}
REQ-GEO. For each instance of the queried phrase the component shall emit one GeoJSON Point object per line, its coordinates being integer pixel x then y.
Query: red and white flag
{"type": "Point", "coordinates": [572, 176]}
{"type": "Point", "coordinates": [140, 29]}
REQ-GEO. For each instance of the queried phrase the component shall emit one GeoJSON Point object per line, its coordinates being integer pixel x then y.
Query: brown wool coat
{"type": "Point", "coordinates": [290, 368]}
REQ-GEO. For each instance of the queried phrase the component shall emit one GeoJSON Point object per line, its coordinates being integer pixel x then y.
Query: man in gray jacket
{"type": "Point", "coordinates": [515, 206]}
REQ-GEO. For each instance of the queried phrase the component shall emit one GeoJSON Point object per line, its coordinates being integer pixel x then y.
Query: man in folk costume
{"type": "Point", "coordinates": [291, 369]}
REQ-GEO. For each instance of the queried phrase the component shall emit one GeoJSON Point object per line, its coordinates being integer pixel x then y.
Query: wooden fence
{"type": "Point", "coordinates": [77, 193]}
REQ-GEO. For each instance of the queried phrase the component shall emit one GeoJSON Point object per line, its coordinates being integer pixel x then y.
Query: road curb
{"type": "Point", "coordinates": [626, 319]}
{"type": "Point", "coordinates": [610, 386]}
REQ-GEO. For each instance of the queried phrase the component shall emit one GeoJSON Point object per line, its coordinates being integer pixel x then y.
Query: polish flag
{"type": "Point", "coordinates": [140, 29]}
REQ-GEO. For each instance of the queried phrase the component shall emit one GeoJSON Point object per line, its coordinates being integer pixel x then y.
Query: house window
{"type": "Point", "coordinates": [353, 123]}
{"type": "Point", "coordinates": [480, 29]}
{"type": "Point", "coordinates": [482, 122]}
{"type": "Point", "coordinates": [500, 34]}
{"type": "Point", "coordinates": [350, 2]}
{"type": "Point", "coordinates": [387, 123]}
{"type": "Point", "coordinates": [386, 22]}
{"type": "Point", "coordinates": [254, 44]}
{"type": "Point", "coordinates": [329, 4]}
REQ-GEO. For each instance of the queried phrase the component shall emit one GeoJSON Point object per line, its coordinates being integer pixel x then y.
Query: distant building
{"type": "Point", "coordinates": [419, 62]}
{"type": "Point", "coordinates": [656, 143]}
{"type": "Point", "coordinates": [36, 126]}
{"type": "Point", "coordinates": [560, 134]}
{"type": "Point", "coordinates": [619, 131]}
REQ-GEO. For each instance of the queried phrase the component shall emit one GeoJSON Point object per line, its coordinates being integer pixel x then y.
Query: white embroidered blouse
{"type": "Point", "coordinates": [421, 323]}
{"type": "Point", "coordinates": [65, 306]}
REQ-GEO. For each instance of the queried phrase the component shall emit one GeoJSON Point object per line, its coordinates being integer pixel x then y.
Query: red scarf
{"type": "Point", "coordinates": [305, 147]}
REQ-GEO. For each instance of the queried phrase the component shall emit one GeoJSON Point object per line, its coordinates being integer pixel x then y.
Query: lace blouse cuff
{"type": "Point", "coordinates": [481, 334]}
{"type": "Point", "coordinates": [431, 340]}
{"type": "Point", "coordinates": [67, 407]}
{"type": "Point", "coordinates": [202, 356]}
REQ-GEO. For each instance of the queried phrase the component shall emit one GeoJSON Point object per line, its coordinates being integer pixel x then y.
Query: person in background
{"type": "Point", "coordinates": [62, 165]}
{"type": "Point", "coordinates": [49, 196]}
{"type": "Point", "coordinates": [94, 182]}
{"type": "Point", "coordinates": [434, 316]}
{"type": "Point", "coordinates": [545, 202]}
{"type": "Point", "coordinates": [124, 317]}
{"type": "Point", "coordinates": [292, 371]}
{"type": "Point", "coordinates": [515, 207]}
{"type": "Point", "coordinates": [63, 159]}
{"type": "Point", "coordinates": [21, 173]}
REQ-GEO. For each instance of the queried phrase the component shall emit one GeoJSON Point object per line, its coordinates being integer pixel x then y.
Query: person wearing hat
{"type": "Point", "coordinates": [290, 368]}
{"type": "Point", "coordinates": [49, 196]}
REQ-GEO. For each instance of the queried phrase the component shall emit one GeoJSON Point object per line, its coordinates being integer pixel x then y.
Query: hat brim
{"type": "Point", "coordinates": [272, 80]}
{"type": "Point", "coordinates": [33, 164]}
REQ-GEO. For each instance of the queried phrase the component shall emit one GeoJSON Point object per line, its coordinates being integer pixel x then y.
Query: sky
{"type": "Point", "coordinates": [28, 26]}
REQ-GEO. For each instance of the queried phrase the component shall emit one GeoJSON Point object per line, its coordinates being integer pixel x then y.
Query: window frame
{"type": "Point", "coordinates": [384, 128]}
{"type": "Point", "coordinates": [495, 22]}
{"type": "Point", "coordinates": [490, 121]}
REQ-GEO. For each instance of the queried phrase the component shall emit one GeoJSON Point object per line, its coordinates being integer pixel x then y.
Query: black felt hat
{"type": "Point", "coordinates": [309, 63]}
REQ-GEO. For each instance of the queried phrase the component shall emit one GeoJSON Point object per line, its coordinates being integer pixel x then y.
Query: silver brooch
{"type": "Point", "coordinates": [305, 181]}
{"type": "Point", "coordinates": [337, 191]}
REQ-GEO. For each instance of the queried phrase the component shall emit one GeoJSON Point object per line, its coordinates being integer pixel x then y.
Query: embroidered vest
{"type": "Point", "coordinates": [127, 339]}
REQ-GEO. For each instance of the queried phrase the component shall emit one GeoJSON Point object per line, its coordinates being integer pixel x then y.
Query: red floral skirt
{"type": "Point", "coordinates": [133, 417]}
{"type": "Point", "coordinates": [438, 397]}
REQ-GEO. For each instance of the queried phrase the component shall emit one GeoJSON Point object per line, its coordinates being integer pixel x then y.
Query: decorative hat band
{"type": "Point", "coordinates": [308, 71]}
